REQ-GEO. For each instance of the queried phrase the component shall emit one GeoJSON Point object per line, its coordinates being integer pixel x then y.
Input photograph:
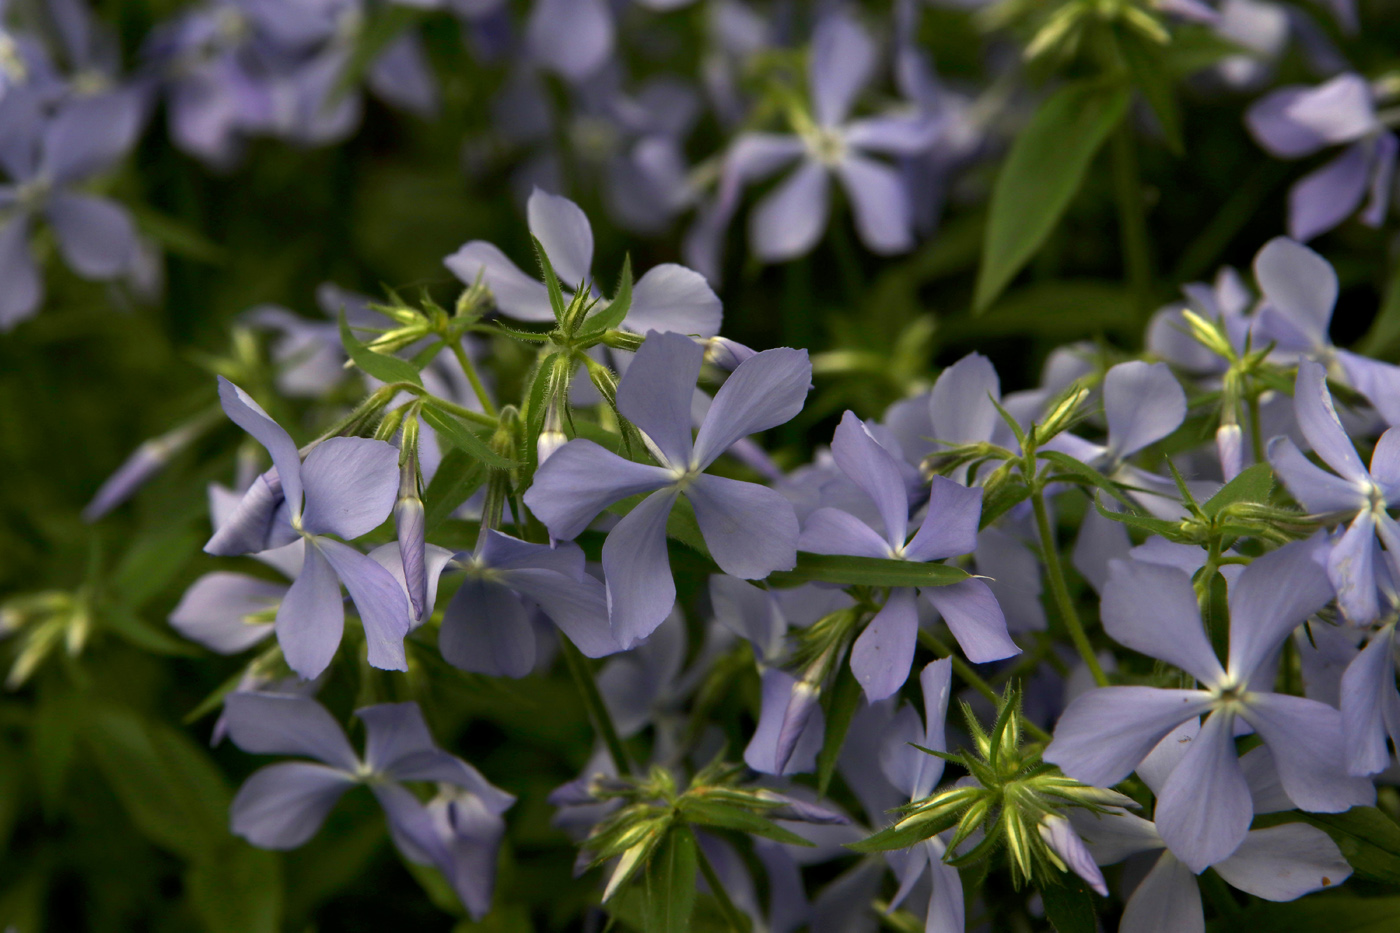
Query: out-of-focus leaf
{"type": "Point", "coordinates": [237, 889]}
{"type": "Point", "coordinates": [1385, 329]}
{"type": "Point", "coordinates": [1060, 309]}
{"type": "Point", "coordinates": [150, 563]}
{"type": "Point", "coordinates": [841, 705]}
{"type": "Point", "coordinates": [458, 477]}
{"type": "Point", "coordinates": [866, 571]}
{"type": "Point", "coordinates": [668, 884]}
{"type": "Point", "coordinates": [1369, 840]}
{"type": "Point", "coordinates": [178, 238]}
{"type": "Point", "coordinates": [1069, 906]}
{"type": "Point", "coordinates": [1338, 914]}
{"type": "Point", "coordinates": [1042, 172]}
{"type": "Point", "coordinates": [55, 733]}
{"type": "Point", "coordinates": [452, 430]}
{"type": "Point", "coordinates": [1152, 76]}
{"type": "Point", "coordinates": [142, 634]}
{"type": "Point", "coordinates": [381, 366]}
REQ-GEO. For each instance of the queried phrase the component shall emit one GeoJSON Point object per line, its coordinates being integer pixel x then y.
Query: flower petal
{"type": "Point", "coordinates": [751, 530]}
{"type": "Point", "coordinates": [764, 391]}
{"type": "Point", "coordinates": [1324, 198]}
{"type": "Point", "coordinates": [381, 601]}
{"type": "Point", "coordinates": [961, 403]}
{"type": "Point", "coordinates": [283, 724]}
{"type": "Point", "coordinates": [1167, 901]}
{"type": "Point", "coordinates": [1351, 568]}
{"type": "Point", "coordinates": [578, 607]}
{"type": "Point", "coordinates": [880, 203]}
{"type": "Point", "coordinates": [249, 416]}
{"type": "Point", "coordinates": [95, 235]}
{"type": "Point", "coordinates": [637, 569]}
{"type": "Point", "coordinates": [515, 293]}
{"type": "Point", "coordinates": [882, 655]}
{"type": "Point", "coordinates": [949, 528]}
{"type": "Point", "coordinates": [580, 480]}
{"type": "Point", "coordinates": [843, 58]}
{"type": "Point", "coordinates": [789, 221]}
{"type": "Point", "coordinates": [215, 610]}
{"type": "Point", "coordinates": [763, 751]}
{"type": "Point", "coordinates": [563, 230]}
{"type": "Point", "coordinates": [874, 470]}
{"type": "Point", "coordinates": [1205, 809]}
{"type": "Point", "coordinates": [1104, 733]}
{"type": "Point", "coordinates": [1152, 609]}
{"type": "Point", "coordinates": [656, 391]}
{"type": "Point", "coordinates": [832, 531]}
{"type": "Point", "coordinates": [283, 805]}
{"type": "Point", "coordinates": [1143, 403]}
{"type": "Point", "coordinates": [670, 297]}
{"type": "Point", "coordinates": [351, 484]}
{"type": "Point", "coordinates": [1368, 678]}
{"type": "Point", "coordinates": [1300, 285]}
{"type": "Point", "coordinates": [572, 37]}
{"type": "Point", "coordinates": [1305, 737]}
{"type": "Point", "coordinates": [486, 630]}
{"type": "Point", "coordinates": [20, 297]}
{"type": "Point", "coordinates": [1317, 490]}
{"type": "Point", "coordinates": [311, 619]}
{"type": "Point", "coordinates": [1285, 862]}
{"type": "Point", "coordinates": [975, 619]}
{"type": "Point", "coordinates": [1274, 595]}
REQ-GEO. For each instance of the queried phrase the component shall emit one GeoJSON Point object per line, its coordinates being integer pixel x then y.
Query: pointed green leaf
{"type": "Point", "coordinates": [668, 883]}
{"type": "Point", "coordinates": [458, 476]}
{"type": "Point", "coordinates": [381, 366]}
{"type": "Point", "coordinates": [1082, 471]}
{"type": "Point", "coordinates": [897, 837]}
{"type": "Point", "coordinates": [1172, 531]}
{"type": "Point", "coordinates": [841, 704]}
{"type": "Point", "coordinates": [1385, 330]}
{"type": "Point", "coordinates": [551, 281]}
{"type": "Point", "coordinates": [1045, 167]}
{"type": "Point", "coordinates": [452, 430]}
{"type": "Point", "coordinates": [866, 571]}
{"type": "Point", "coordinates": [1252, 485]}
{"type": "Point", "coordinates": [1153, 78]}
{"type": "Point", "coordinates": [612, 315]}
{"type": "Point", "coordinates": [1069, 906]}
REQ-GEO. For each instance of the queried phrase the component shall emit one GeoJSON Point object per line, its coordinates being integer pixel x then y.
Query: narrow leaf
{"type": "Point", "coordinates": [866, 571]}
{"type": "Point", "coordinates": [1069, 906]}
{"type": "Point", "coordinates": [551, 281]}
{"type": "Point", "coordinates": [452, 430]}
{"type": "Point", "coordinates": [612, 315]}
{"type": "Point", "coordinates": [842, 702]}
{"type": "Point", "coordinates": [1152, 76]}
{"type": "Point", "coordinates": [381, 366]}
{"type": "Point", "coordinates": [714, 813]}
{"type": "Point", "coordinates": [458, 476]}
{"type": "Point", "coordinates": [1252, 485]}
{"type": "Point", "coordinates": [1085, 473]}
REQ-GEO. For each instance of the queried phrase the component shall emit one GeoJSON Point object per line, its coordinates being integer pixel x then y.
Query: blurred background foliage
{"type": "Point", "coordinates": [113, 810]}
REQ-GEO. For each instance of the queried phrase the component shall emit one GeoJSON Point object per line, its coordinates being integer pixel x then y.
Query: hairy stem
{"type": "Point", "coordinates": [1056, 572]}
{"type": "Point", "coordinates": [469, 368]}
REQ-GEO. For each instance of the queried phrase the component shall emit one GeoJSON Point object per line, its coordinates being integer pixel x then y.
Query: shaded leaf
{"type": "Point", "coordinates": [866, 571]}
{"type": "Point", "coordinates": [381, 366]}
{"type": "Point", "coordinates": [451, 429]}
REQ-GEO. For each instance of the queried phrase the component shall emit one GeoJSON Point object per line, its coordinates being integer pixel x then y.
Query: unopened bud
{"type": "Point", "coordinates": [1229, 443]}
{"type": "Point", "coordinates": [802, 704]}
{"type": "Point", "coordinates": [725, 353]}
{"type": "Point", "coordinates": [552, 435]}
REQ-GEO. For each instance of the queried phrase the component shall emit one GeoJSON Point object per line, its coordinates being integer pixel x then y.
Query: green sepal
{"type": "Point", "coordinates": [385, 368]}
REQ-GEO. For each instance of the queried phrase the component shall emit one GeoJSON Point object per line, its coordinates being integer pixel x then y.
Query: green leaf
{"type": "Point", "coordinates": [237, 890]}
{"type": "Point", "coordinates": [668, 884]}
{"type": "Point", "coordinates": [1156, 526]}
{"type": "Point", "coordinates": [1385, 330]}
{"type": "Point", "coordinates": [551, 281]}
{"type": "Point", "coordinates": [379, 365]}
{"type": "Point", "coordinates": [139, 633]}
{"type": "Point", "coordinates": [1069, 906]}
{"type": "Point", "coordinates": [895, 837]}
{"type": "Point", "coordinates": [1252, 485]}
{"type": "Point", "coordinates": [1081, 470]}
{"type": "Point", "coordinates": [177, 237]}
{"type": "Point", "coordinates": [841, 705]}
{"type": "Point", "coordinates": [714, 813]}
{"type": "Point", "coordinates": [168, 785]}
{"type": "Point", "coordinates": [866, 571]}
{"type": "Point", "coordinates": [1152, 76]}
{"type": "Point", "coordinates": [1045, 167]}
{"type": "Point", "coordinates": [151, 562]}
{"type": "Point", "coordinates": [451, 429]}
{"type": "Point", "coordinates": [1339, 914]}
{"type": "Point", "coordinates": [458, 476]}
{"type": "Point", "coordinates": [612, 315]}
{"type": "Point", "coordinates": [1368, 838]}
{"type": "Point", "coordinates": [1002, 500]}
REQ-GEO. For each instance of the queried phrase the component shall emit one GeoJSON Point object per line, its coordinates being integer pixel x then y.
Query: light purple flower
{"type": "Point", "coordinates": [346, 487]}
{"type": "Point", "coordinates": [1297, 121]}
{"type": "Point", "coordinates": [750, 530]}
{"type": "Point", "coordinates": [283, 805]}
{"type": "Point", "coordinates": [882, 655]}
{"type": "Point", "coordinates": [1204, 809]}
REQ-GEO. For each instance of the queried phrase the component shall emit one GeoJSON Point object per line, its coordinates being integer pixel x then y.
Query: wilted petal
{"type": "Point", "coordinates": [843, 57]}
{"type": "Point", "coordinates": [751, 530]}
{"type": "Point", "coordinates": [282, 724]}
{"type": "Point", "coordinates": [1152, 609]}
{"type": "Point", "coordinates": [1143, 403]}
{"type": "Point", "coordinates": [880, 203]}
{"type": "Point", "coordinates": [1282, 863]}
{"type": "Point", "coordinates": [882, 655]}
{"type": "Point", "coordinates": [95, 236]}
{"type": "Point", "coordinates": [637, 569]}
{"type": "Point", "coordinates": [1103, 734]}
{"type": "Point", "coordinates": [673, 298]}
{"type": "Point", "coordinates": [311, 619]}
{"type": "Point", "coordinates": [766, 390]}
{"type": "Point", "coordinates": [216, 609]}
{"type": "Point", "coordinates": [486, 630]}
{"type": "Point", "coordinates": [950, 522]}
{"type": "Point", "coordinates": [1274, 595]}
{"type": "Point", "coordinates": [283, 805]}
{"type": "Point", "coordinates": [380, 600]}
{"type": "Point", "coordinates": [1324, 198]}
{"type": "Point", "coordinates": [961, 404]}
{"type": "Point", "coordinates": [656, 391]}
{"type": "Point", "coordinates": [351, 484]}
{"type": "Point", "coordinates": [832, 531]}
{"type": "Point", "coordinates": [1298, 284]}
{"type": "Point", "coordinates": [563, 230]}
{"type": "Point", "coordinates": [1317, 490]}
{"type": "Point", "coordinates": [1167, 901]}
{"type": "Point", "coordinates": [1305, 737]}
{"type": "Point", "coordinates": [580, 480]}
{"type": "Point", "coordinates": [975, 619]}
{"type": "Point", "coordinates": [249, 416]}
{"type": "Point", "coordinates": [515, 293]}
{"type": "Point", "coordinates": [1205, 809]}
{"type": "Point", "coordinates": [789, 221]}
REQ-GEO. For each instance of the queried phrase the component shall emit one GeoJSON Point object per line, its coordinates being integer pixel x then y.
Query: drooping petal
{"type": "Point", "coordinates": [1152, 609]}
{"type": "Point", "coordinates": [1060, 836]}
{"type": "Point", "coordinates": [1285, 862]}
{"type": "Point", "coordinates": [578, 607]}
{"type": "Point", "coordinates": [1299, 284]}
{"type": "Point", "coordinates": [1204, 810]}
{"type": "Point", "coordinates": [20, 297]}
{"type": "Point", "coordinates": [961, 403]}
{"type": "Point", "coordinates": [580, 480]}
{"type": "Point", "coordinates": [1167, 901]}
{"type": "Point", "coordinates": [1305, 737]}
{"type": "Point", "coordinates": [249, 416]}
{"type": "Point", "coordinates": [1143, 403]}
{"type": "Point", "coordinates": [880, 203]}
{"type": "Point", "coordinates": [975, 619]}
{"type": "Point", "coordinates": [843, 57]}
{"type": "Point", "coordinates": [283, 724]}
{"type": "Point", "coordinates": [1274, 595]}
{"type": "Point", "coordinates": [311, 619]}
{"type": "Point", "coordinates": [763, 752]}
{"type": "Point", "coordinates": [673, 298]}
{"type": "Point", "coordinates": [572, 37]}
{"type": "Point", "coordinates": [637, 569]}
{"type": "Point", "coordinates": [950, 523]}
{"type": "Point", "coordinates": [751, 530]}
{"type": "Point", "coordinates": [486, 630]}
{"type": "Point", "coordinates": [283, 805]}
{"type": "Point", "coordinates": [1351, 568]}
{"type": "Point", "coordinates": [1322, 199]}
{"type": "Point", "coordinates": [1317, 490]}
{"type": "Point", "coordinates": [95, 235]}
{"type": "Point", "coordinates": [216, 609]}
{"type": "Point", "coordinates": [351, 484]}
{"type": "Point", "coordinates": [380, 600]}
{"type": "Point", "coordinates": [1363, 728]}
{"type": "Point", "coordinates": [1104, 733]}
{"type": "Point", "coordinates": [764, 391]}
{"type": "Point", "coordinates": [874, 470]}
{"type": "Point", "coordinates": [656, 391]}
{"type": "Point", "coordinates": [563, 230]}
{"type": "Point", "coordinates": [789, 221]}
{"type": "Point", "coordinates": [882, 655]}
{"type": "Point", "coordinates": [832, 531]}
{"type": "Point", "coordinates": [515, 293]}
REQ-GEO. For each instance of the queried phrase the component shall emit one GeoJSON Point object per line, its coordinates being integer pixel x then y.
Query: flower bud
{"type": "Point", "coordinates": [1229, 442]}
{"type": "Point", "coordinates": [552, 435]}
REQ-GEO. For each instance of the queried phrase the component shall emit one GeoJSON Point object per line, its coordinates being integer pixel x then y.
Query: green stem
{"type": "Point", "coordinates": [466, 414]}
{"type": "Point", "coordinates": [593, 702]}
{"type": "Point", "coordinates": [1256, 433]}
{"type": "Point", "coordinates": [1132, 220]}
{"type": "Point", "coordinates": [732, 914]}
{"type": "Point", "coordinates": [1055, 571]}
{"type": "Point", "coordinates": [970, 677]}
{"type": "Point", "coordinates": [467, 367]}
